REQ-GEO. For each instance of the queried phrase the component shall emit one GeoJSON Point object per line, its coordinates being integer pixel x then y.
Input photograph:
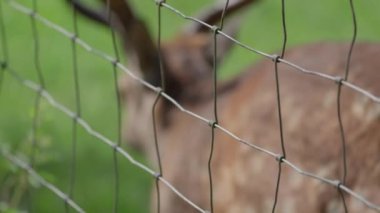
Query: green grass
{"type": "Point", "coordinates": [308, 21]}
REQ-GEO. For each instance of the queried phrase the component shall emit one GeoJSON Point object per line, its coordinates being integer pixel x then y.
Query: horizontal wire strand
{"type": "Point", "coordinates": [336, 183]}
{"type": "Point", "coordinates": [107, 57]}
{"type": "Point", "coordinates": [272, 57]}
{"type": "Point", "coordinates": [86, 126]}
{"type": "Point", "coordinates": [87, 47]}
{"type": "Point", "coordinates": [16, 161]}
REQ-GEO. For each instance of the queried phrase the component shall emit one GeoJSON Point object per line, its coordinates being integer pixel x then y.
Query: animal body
{"type": "Point", "coordinates": [244, 179]}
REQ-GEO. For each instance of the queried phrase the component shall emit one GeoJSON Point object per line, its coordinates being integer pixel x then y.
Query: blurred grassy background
{"type": "Point", "coordinates": [307, 21]}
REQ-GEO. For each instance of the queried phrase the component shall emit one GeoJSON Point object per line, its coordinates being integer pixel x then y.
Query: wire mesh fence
{"type": "Point", "coordinates": [119, 153]}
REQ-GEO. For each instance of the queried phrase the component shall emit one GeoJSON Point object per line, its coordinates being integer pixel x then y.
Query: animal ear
{"type": "Point", "coordinates": [139, 47]}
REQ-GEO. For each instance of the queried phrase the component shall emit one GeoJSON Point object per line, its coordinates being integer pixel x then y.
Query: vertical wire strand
{"type": "Point", "coordinates": [3, 34]}
{"type": "Point", "coordinates": [115, 154]}
{"type": "Point", "coordinates": [343, 199]}
{"type": "Point", "coordinates": [277, 185]}
{"type": "Point", "coordinates": [353, 41]}
{"type": "Point", "coordinates": [215, 102]}
{"type": "Point", "coordinates": [280, 159]}
{"type": "Point", "coordinates": [278, 97]}
{"type": "Point", "coordinates": [160, 172]}
{"type": "Point", "coordinates": [284, 30]}
{"type": "Point", "coordinates": [5, 60]}
{"type": "Point", "coordinates": [41, 81]}
{"type": "Point", "coordinates": [4, 64]}
{"type": "Point", "coordinates": [155, 104]}
{"type": "Point", "coordinates": [343, 144]}
{"type": "Point", "coordinates": [339, 107]}
{"type": "Point", "coordinates": [281, 136]}
{"type": "Point", "coordinates": [36, 115]}
{"type": "Point", "coordinates": [118, 110]}
{"type": "Point", "coordinates": [159, 40]}
{"type": "Point", "coordinates": [210, 166]}
{"type": "Point", "coordinates": [74, 133]}
{"type": "Point", "coordinates": [158, 194]}
{"type": "Point", "coordinates": [215, 122]}
{"type": "Point", "coordinates": [221, 25]}
{"type": "Point", "coordinates": [36, 41]}
{"type": "Point", "coordinates": [215, 74]}
{"type": "Point", "coordinates": [38, 98]}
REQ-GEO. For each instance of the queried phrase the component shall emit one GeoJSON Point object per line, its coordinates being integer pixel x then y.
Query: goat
{"type": "Point", "coordinates": [245, 180]}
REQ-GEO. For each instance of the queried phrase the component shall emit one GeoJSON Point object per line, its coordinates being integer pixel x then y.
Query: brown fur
{"type": "Point", "coordinates": [245, 179]}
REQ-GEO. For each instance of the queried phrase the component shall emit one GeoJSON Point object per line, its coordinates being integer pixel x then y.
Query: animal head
{"type": "Point", "coordinates": [186, 60]}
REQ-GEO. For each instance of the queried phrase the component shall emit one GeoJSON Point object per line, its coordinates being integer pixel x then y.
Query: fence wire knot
{"type": "Point", "coordinates": [280, 158]}
{"type": "Point", "coordinates": [157, 175]}
{"type": "Point", "coordinates": [115, 62]}
{"type": "Point", "coordinates": [28, 166]}
{"type": "Point", "coordinates": [115, 147]}
{"type": "Point", "coordinates": [337, 183]}
{"type": "Point", "coordinates": [76, 117]}
{"type": "Point", "coordinates": [212, 123]}
{"type": "Point", "coordinates": [35, 16]}
{"type": "Point", "coordinates": [33, 13]}
{"type": "Point", "coordinates": [74, 37]}
{"type": "Point", "coordinates": [159, 91]}
{"type": "Point", "coordinates": [339, 80]}
{"type": "Point", "coordinates": [276, 58]}
{"type": "Point", "coordinates": [66, 199]}
{"type": "Point", "coordinates": [40, 89]}
{"type": "Point", "coordinates": [160, 2]}
{"type": "Point", "coordinates": [215, 29]}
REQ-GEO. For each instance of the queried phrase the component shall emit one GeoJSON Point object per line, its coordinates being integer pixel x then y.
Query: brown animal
{"type": "Point", "coordinates": [245, 179]}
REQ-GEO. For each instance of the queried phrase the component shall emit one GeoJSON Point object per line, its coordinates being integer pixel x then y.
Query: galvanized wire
{"type": "Point", "coordinates": [339, 107]}
{"type": "Point", "coordinates": [5, 57]}
{"type": "Point", "coordinates": [282, 143]}
{"type": "Point", "coordinates": [278, 97]}
{"type": "Point", "coordinates": [77, 98]}
{"type": "Point", "coordinates": [157, 149]}
{"type": "Point", "coordinates": [215, 30]}
{"type": "Point", "coordinates": [87, 127]}
{"type": "Point", "coordinates": [158, 90]}
{"type": "Point", "coordinates": [37, 101]}
{"type": "Point", "coordinates": [38, 178]}
{"type": "Point", "coordinates": [215, 109]}
{"type": "Point", "coordinates": [37, 64]}
{"type": "Point", "coordinates": [156, 101]}
{"type": "Point", "coordinates": [118, 107]}
{"type": "Point", "coordinates": [272, 57]}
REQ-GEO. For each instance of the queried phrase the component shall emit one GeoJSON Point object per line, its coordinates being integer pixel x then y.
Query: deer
{"type": "Point", "coordinates": [244, 179]}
